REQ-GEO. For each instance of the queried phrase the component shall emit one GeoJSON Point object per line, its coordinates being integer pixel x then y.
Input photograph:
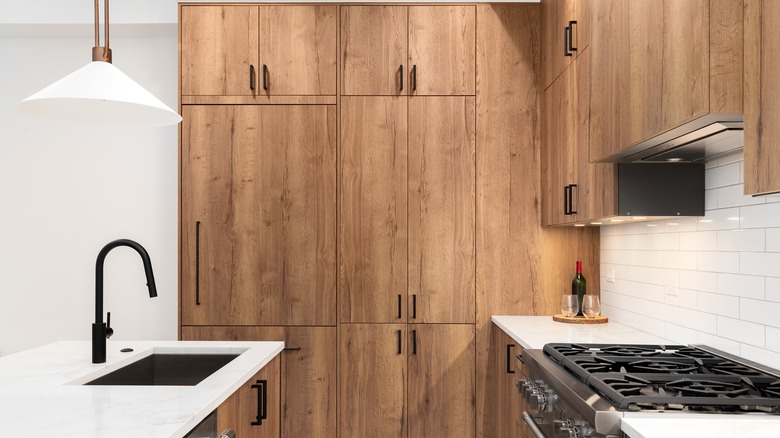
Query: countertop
{"type": "Point", "coordinates": [41, 391]}
{"type": "Point", "coordinates": [535, 331]}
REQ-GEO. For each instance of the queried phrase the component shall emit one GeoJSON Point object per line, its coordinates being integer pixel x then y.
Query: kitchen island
{"type": "Point", "coordinates": [42, 391]}
{"type": "Point", "coordinates": [533, 332]}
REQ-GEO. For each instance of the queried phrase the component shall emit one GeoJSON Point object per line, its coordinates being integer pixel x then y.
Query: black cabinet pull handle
{"type": "Point", "coordinates": [401, 76]}
{"type": "Point", "coordinates": [265, 77]}
{"type": "Point", "coordinates": [566, 197]}
{"type": "Point", "coordinates": [262, 402]}
{"type": "Point", "coordinates": [197, 263]}
{"type": "Point", "coordinates": [566, 38]}
{"type": "Point", "coordinates": [571, 204]}
{"type": "Point", "coordinates": [399, 341]}
{"type": "Point", "coordinates": [414, 341]}
{"type": "Point", "coordinates": [291, 349]}
{"type": "Point", "coordinates": [414, 306]}
{"type": "Point", "coordinates": [509, 369]}
{"type": "Point", "coordinates": [414, 77]}
{"type": "Point", "coordinates": [571, 36]}
{"type": "Point", "coordinates": [399, 306]}
{"type": "Point", "coordinates": [251, 77]}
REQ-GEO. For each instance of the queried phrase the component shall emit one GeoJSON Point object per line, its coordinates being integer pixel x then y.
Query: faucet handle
{"type": "Point", "coordinates": [109, 330]}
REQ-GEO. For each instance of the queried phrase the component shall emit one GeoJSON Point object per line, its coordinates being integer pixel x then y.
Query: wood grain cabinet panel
{"type": "Point", "coordinates": [308, 374]}
{"type": "Point", "coordinates": [565, 28]}
{"type": "Point", "coordinates": [259, 397]}
{"type": "Point", "coordinates": [258, 215]}
{"type": "Point", "coordinates": [505, 402]}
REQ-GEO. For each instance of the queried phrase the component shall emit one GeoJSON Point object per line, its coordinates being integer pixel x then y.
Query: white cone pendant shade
{"type": "Point", "coordinates": [99, 93]}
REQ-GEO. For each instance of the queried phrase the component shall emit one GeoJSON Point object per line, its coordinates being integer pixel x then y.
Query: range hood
{"type": "Point", "coordinates": [699, 140]}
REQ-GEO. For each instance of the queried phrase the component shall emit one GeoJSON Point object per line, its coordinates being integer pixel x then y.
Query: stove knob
{"type": "Point", "coordinates": [538, 401]}
{"type": "Point", "coordinates": [560, 427]}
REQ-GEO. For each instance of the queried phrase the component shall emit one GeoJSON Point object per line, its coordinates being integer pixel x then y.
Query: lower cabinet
{"type": "Point", "coordinates": [253, 410]}
{"type": "Point", "coordinates": [306, 397]}
{"type": "Point", "coordinates": [407, 380]}
{"type": "Point", "coordinates": [503, 410]}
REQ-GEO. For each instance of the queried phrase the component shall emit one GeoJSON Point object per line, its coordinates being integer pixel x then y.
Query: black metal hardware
{"type": "Point", "coordinates": [401, 76]}
{"type": "Point", "coordinates": [262, 402]}
{"type": "Point", "coordinates": [251, 77]}
{"type": "Point", "coordinates": [571, 36]}
{"type": "Point", "coordinates": [197, 263]}
{"type": "Point", "coordinates": [571, 204]}
{"type": "Point", "coordinates": [291, 349]}
{"type": "Point", "coordinates": [566, 34]}
{"type": "Point", "coordinates": [414, 341]}
{"type": "Point", "coordinates": [414, 77]}
{"type": "Point", "coordinates": [109, 330]}
{"type": "Point", "coordinates": [566, 197]}
{"type": "Point", "coordinates": [414, 306]}
{"type": "Point", "coordinates": [399, 306]}
{"type": "Point", "coordinates": [509, 369]}
{"type": "Point", "coordinates": [265, 77]}
{"type": "Point", "coordinates": [399, 341]}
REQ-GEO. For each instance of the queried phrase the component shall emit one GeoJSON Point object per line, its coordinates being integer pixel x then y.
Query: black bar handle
{"type": "Point", "coordinates": [566, 37]}
{"type": "Point", "coordinates": [509, 369]}
{"type": "Point", "coordinates": [197, 263]}
{"type": "Point", "coordinates": [401, 76]}
{"type": "Point", "coordinates": [399, 341]}
{"type": "Point", "coordinates": [414, 306]}
{"type": "Point", "coordinates": [265, 77]}
{"type": "Point", "coordinates": [571, 36]}
{"type": "Point", "coordinates": [262, 402]}
{"type": "Point", "coordinates": [571, 204]}
{"type": "Point", "coordinates": [291, 349]}
{"type": "Point", "coordinates": [414, 341]}
{"type": "Point", "coordinates": [399, 306]}
{"type": "Point", "coordinates": [414, 77]}
{"type": "Point", "coordinates": [566, 190]}
{"type": "Point", "coordinates": [251, 77]}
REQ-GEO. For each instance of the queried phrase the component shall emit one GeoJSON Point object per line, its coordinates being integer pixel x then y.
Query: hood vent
{"type": "Point", "coordinates": [700, 140]}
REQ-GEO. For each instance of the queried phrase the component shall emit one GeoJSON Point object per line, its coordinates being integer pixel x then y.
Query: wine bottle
{"type": "Point", "coordinates": [578, 287]}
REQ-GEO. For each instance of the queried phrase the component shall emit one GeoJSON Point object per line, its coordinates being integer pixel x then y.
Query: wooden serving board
{"type": "Point", "coordinates": [580, 319]}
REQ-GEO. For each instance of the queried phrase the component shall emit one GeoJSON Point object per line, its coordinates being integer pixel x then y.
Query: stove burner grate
{"type": "Point", "coordinates": [662, 366]}
{"type": "Point", "coordinates": [707, 388]}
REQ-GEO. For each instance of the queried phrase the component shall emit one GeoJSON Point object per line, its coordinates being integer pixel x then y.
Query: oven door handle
{"type": "Point", "coordinates": [532, 424]}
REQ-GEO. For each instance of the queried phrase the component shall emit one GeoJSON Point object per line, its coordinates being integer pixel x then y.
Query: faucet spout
{"type": "Point", "coordinates": [100, 331]}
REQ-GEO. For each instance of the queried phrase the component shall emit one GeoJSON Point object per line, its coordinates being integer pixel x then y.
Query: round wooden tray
{"type": "Point", "coordinates": [580, 319]}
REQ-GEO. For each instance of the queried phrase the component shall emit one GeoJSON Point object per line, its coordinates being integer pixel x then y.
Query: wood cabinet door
{"type": "Point", "coordinates": [218, 46]}
{"type": "Point", "coordinates": [762, 97]}
{"type": "Point", "coordinates": [372, 382]}
{"type": "Point", "coordinates": [373, 209]}
{"type": "Point", "coordinates": [503, 407]}
{"type": "Point", "coordinates": [441, 209]}
{"type": "Point", "coordinates": [298, 50]}
{"type": "Point", "coordinates": [609, 104]}
{"type": "Point", "coordinates": [442, 50]}
{"type": "Point", "coordinates": [308, 372]}
{"type": "Point", "coordinates": [259, 397]}
{"type": "Point", "coordinates": [555, 18]}
{"type": "Point", "coordinates": [374, 50]}
{"type": "Point", "coordinates": [258, 214]}
{"type": "Point", "coordinates": [442, 389]}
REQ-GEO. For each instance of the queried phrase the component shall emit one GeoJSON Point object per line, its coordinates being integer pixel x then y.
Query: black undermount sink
{"type": "Point", "coordinates": [166, 370]}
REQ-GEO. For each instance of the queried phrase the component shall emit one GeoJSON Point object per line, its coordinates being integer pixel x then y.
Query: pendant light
{"type": "Point", "coordinates": [99, 93]}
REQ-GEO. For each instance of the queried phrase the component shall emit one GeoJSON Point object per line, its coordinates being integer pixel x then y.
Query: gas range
{"type": "Point", "coordinates": [583, 390]}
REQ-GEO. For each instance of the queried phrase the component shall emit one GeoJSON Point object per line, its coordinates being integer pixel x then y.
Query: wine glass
{"type": "Point", "coordinates": [591, 306]}
{"type": "Point", "coordinates": [569, 305]}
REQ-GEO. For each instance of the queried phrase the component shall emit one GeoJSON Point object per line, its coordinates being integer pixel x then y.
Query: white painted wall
{"type": "Point", "coordinates": [726, 266]}
{"type": "Point", "coordinates": [65, 191]}
{"type": "Point", "coordinates": [82, 11]}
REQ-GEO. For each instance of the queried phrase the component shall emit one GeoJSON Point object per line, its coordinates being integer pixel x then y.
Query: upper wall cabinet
{"type": "Point", "coordinates": [657, 66]}
{"type": "Point", "coordinates": [565, 34]}
{"type": "Point", "coordinates": [237, 50]}
{"type": "Point", "coordinates": [408, 50]}
{"type": "Point", "coordinates": [762, 97]}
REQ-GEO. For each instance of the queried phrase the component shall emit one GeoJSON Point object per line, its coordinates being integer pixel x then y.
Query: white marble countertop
{"type": "Point", "coordinates": [41, 391]}
{"type": "Point", "coordinates": [535, 331]}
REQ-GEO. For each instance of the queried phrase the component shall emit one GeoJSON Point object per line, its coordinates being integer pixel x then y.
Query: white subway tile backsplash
{"type": "Point", "coordinates": [741, 331]}
{"type": "Point", "coordinates": [760, 216]}
{"type": "Point", "coordinates": [742, 240]}
{"type": "Point", "coordinates": [759, 311]}
{"type": "Point", "coordinates": [701, 281]}
{"type": "Point", "coordinates": [760, 355]}
{"type": "Point", "coordinates": [746, 286]}
{"type": "Point", "coordinates": [685, 298]}
{"type": "Point", "coordinates": [680, 225]}
{"type": "Point", "coordinates": [683, 335]}
{"type": "Point", "coordinates": [773, 338]}
{"type": "Point", "coordinates": [722, 219]}
{"type": "Point", "coordinates": [699, 241]}
{"type": "Point", "coordinates": [710, 199]}
{"type": "Point", "coordinates": [665, 242]}
{"type": "Point", "coordinates": [719, 262]}
{"type": "Point", "coordinates": [760, 263]}
{"type": "Point", "coordinates": [719, 304]}
{"type": "Point", "coordinates": [772, 289]}
{"type": "Point", "coordinates": [723, 344]}
{"type": "Point", "coordinates": [701, 321]}
{"type": "Point", "coordinates": [733, 196]}
{"type": "Point", "coordinates": [736, 156]}
{"type": "Point", "coordinates": [722, 176]}
{"type": "Point", "coordinates": [773, 239]}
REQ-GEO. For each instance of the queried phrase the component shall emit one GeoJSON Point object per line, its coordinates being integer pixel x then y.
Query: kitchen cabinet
{"type": "Point", "coordinates": [258, 215]}
{"type": "Point", "coordinates": [505, 405]}
{"type": "Point", "coordinates": [407, 217]}
{"type": "Point", "coordinates": [307, 372]}
{"type": "Point", "coordinates": [762, 97]}
{"type": "Point", "coordinates": [250, 50]}
{"type": "Point", "coordinates": [565, 34]}
{"type": "Point", "coordinates": [659, 66]}
{"type": "Point", "coordinates": [414, 380]}
{"type": "Point", "coordinates": [408, 50]}
{"type": "Point", "coordinates": [254, 409]}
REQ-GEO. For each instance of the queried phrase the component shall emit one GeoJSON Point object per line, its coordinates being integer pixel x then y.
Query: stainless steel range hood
{"type": "Point", "coordinates": [700, 140]}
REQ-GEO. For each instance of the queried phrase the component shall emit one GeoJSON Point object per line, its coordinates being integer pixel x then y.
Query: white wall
{"type": "Point", "coordinates": [726, 266]}
{"type": "Point", "coordinates": [65, 191]}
